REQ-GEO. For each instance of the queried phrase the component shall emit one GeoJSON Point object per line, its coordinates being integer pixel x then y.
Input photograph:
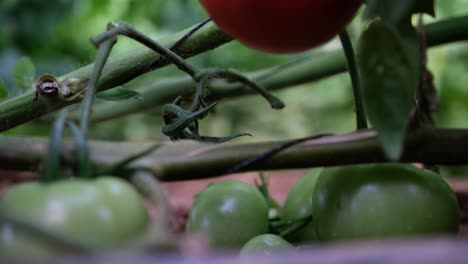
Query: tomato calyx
{"type": "Point", "coordinates": [274, 208]}
{"type": "Point", "coordinates": [285, 228]}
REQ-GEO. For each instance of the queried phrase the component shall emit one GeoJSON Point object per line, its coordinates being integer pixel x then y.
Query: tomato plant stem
{"type": "Point", "coordinates": [195, 160]}
{"type": "Point", "coordinates": [303, 70]}
{"type": "Point", "coordinates": [118, 71]}
{"type": "Point", "coordinates": [119, 166]}
{"type": "Point", "coordinates": [158, 233]}
{"type": "Point", "coordinates": [51, 170]}
{"type": "Point", "coordinates": [85, 168]}
{"type": "Point", "coordinates": [122, 28]}
{"type": "Point", "coordinates": [124, 68]}
{"type": "Point", "coordinates": [361, 119]}
{"type": "Point", "coordinates": [101, 58]}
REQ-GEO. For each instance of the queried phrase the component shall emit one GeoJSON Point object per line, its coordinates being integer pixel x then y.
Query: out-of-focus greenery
{"type": "Point", "coordinates": [55, 35]}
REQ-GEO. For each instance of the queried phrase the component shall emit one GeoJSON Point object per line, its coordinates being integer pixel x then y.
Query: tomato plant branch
{"type": "Point", "coordinates": [195, 160]}
{"type": "Point", "coordinates": [119, 70]}
{"type": "Point", "coordinates": [101, 59]}
{"type": "Point", "coordinates": [85, 168]}
{"type": "Point", "coordinates": [51, 170]}
{"type": "Point", "coordinates": [157, 234]}
{"type": "Point", "coordinates": [155, 93]}
{"type": "Point", "coordinates": [122, 28]}
{"type": "Point", "coordinates": [125, 67]}
{"type": "Point", "coordinates": [361, 119]}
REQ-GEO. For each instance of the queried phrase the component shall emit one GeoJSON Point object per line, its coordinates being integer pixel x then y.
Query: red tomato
{"type": "Point", "coordinates": [282, 26]}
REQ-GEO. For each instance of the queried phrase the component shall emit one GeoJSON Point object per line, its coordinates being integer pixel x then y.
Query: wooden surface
{"type": "Point", "coordinates": [436, 251]}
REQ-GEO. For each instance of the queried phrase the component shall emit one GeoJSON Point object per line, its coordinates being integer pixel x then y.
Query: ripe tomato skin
{"type": "Point", "coordinates": [230, 213]}
{"type": "Point", "coordinates": [382, 200]}
{"type": "Point", "coordinates": [266, 245]}
{"type": "Point", "coordinates": [298, 205]}
{"type": "Point", "coordinates": [104, 213]}
{"type": "Point", "coordinates": [282, 26]}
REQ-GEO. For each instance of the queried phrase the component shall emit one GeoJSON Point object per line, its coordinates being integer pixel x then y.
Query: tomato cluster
{"type": "Point", "coordinates": [342, 203]}
{"type": "Point", "coordinates": [373, 201]}
{"type": "Point", "coordinates": [282, 26]}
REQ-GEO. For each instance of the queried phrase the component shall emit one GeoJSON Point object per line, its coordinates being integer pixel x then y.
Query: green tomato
{"type": "Point", "coordinates": [266, 244]}
{"type": "Point", "coordinates": [230, 213]}
{"type": "Point", "coordinates": [382, 200]}
{"type": "Point", "coordinates": [298, 205]}
{"type": "Point", "coordinates": [102, 214]}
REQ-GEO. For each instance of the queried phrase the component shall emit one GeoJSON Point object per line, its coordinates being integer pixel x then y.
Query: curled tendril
{"type": "Point", "coordinates": [182, 124]}
{"type": "Point", "coordinates": [206, 75]}
{"type": "Point", "coordinates": [178, 120]}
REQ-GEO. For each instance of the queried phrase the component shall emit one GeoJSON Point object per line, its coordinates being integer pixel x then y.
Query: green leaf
{"type": "Point", "coordinates": [118, 94]}
{"type": "Point", "coordinates": [3, 91]}
{"type": "Point", "coordinates": [24, 73]}
{"type": "Point", "coordinates": [389, 65]}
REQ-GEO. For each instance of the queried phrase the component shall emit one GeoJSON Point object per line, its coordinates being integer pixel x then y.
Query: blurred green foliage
{"type": "Point", "coordinates": [55, 35]}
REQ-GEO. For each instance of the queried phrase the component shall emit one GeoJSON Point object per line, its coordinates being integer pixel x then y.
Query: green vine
{"type": "Point", "coordinates": [361, 118]}
{"type": "Point", "coordinates": [178, 122]}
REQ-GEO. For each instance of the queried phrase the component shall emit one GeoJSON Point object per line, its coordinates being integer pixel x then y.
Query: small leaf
{"type": "Point", "coordinates": [389, 67]}
{"type": "Point", "coordinates": [118, 94]}
{"type": "Point", "coordinates": [24, 73]}
{"type": "Point", "coordinates": [3, 91]}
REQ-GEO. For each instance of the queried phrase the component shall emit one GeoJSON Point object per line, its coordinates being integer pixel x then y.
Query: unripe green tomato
{"type": "Point", "coordinates": [266, 244]}
{"type": "Point", "coordinates": [382, 200]}
{"type": "Point", "coordinates": [298, 205]}
{"type": "Point", "coordinates": [230, 213]}
{"type": "Point", "coordinates": [105, 213]}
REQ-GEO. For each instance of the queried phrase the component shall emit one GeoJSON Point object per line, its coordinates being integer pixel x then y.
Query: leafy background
{"type": "Point", "coordinates": [55, 35]}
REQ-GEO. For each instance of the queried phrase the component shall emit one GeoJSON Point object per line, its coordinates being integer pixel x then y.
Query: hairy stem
{"type": "Point", "coordinates": [119, 70]}
{"type": "Point", "coordinates": [195, 160]}
{"type": "Point", "coordinates": [122, 28]}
